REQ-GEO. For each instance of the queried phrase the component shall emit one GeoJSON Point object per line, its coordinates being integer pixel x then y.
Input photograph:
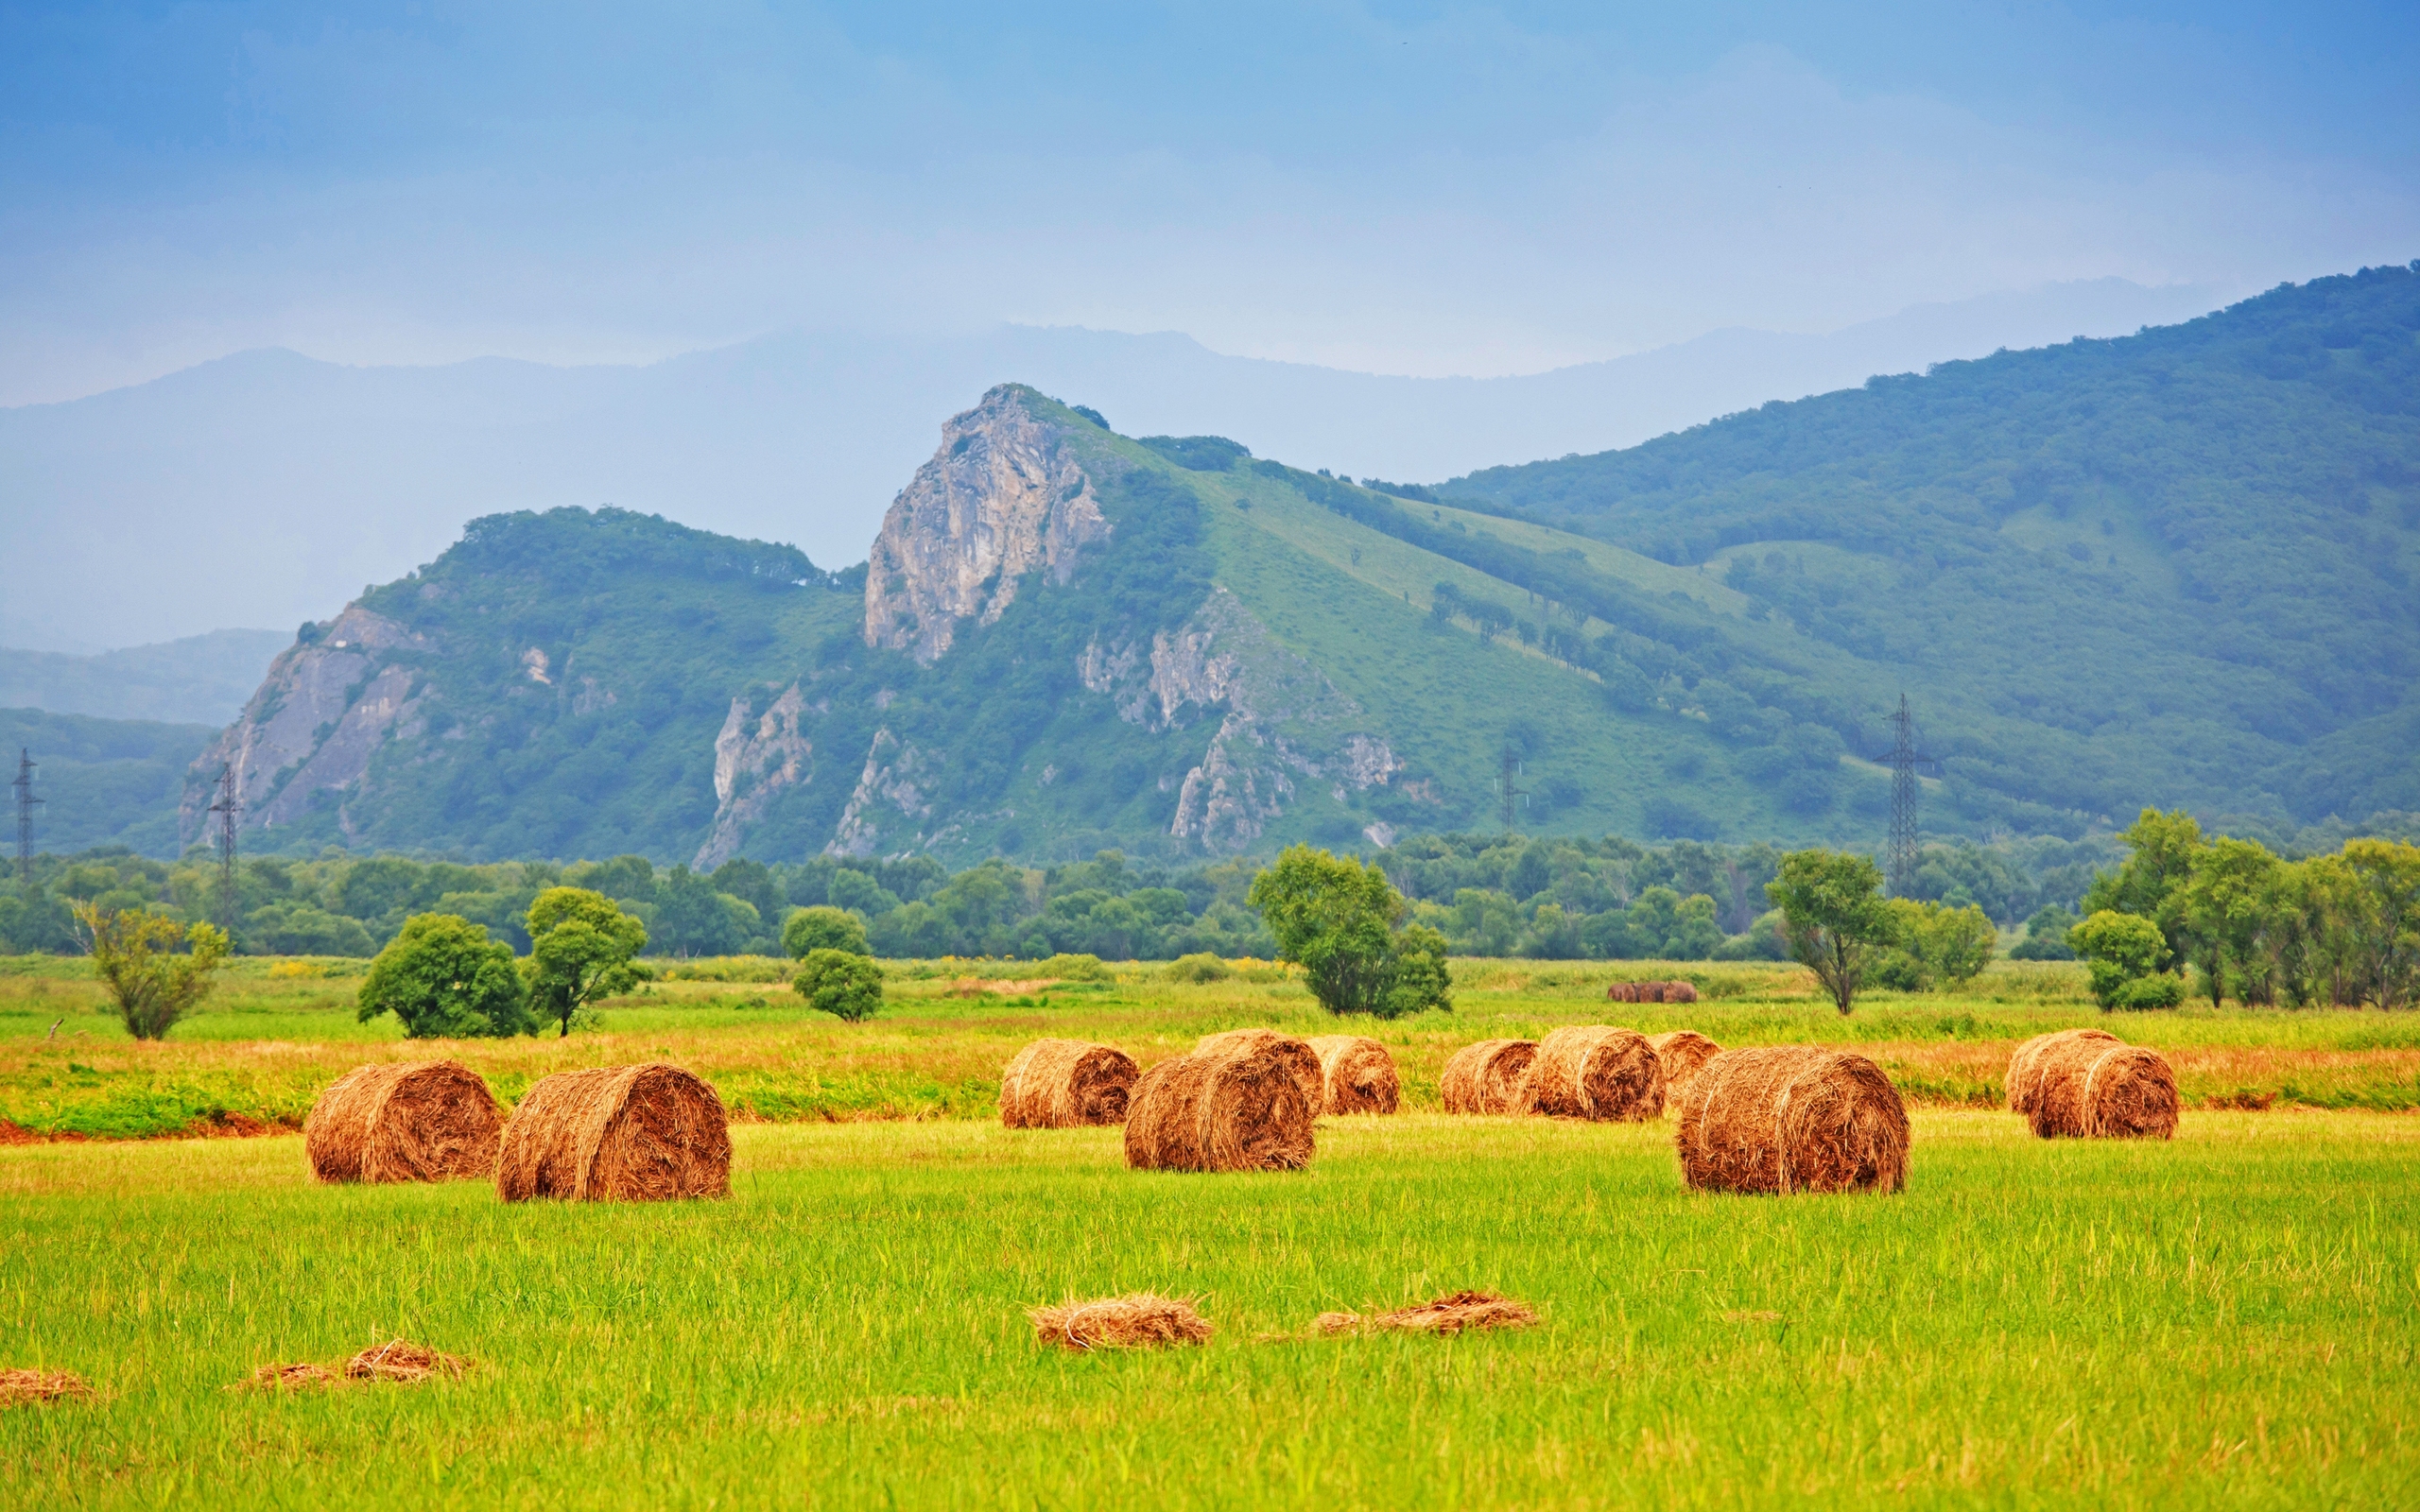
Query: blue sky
{"type": "Point", "coordinates": [1403, 188]}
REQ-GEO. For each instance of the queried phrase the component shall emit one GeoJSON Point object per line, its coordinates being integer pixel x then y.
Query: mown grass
{"type": "Point", "coordinates": [2228, 1320]}
{"type": "Point", "coordinates": [260, 1052]}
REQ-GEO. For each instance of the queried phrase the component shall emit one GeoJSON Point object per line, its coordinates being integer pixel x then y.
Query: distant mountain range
{"type": "Point", "coordinates": [262, 488]}
{"type": "Point", "coordinates": [202, 679]}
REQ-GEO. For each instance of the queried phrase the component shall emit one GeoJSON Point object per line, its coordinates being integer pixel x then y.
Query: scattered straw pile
{"type": "Point", "coordinates": [1298, 1054]}
{"type": "Point", "coordinates": [1684, 1053]}
{"type": "Point", "coordinates": [1141, 1321]}
{"type": "Point", "coordinates": [1358, 1074]}
{"type": "Point", "coordinates": [1596, 1071]}
{"type": "Point", "coordinates": [2025, 1067]}
{"type": "Point", "coordinates": [1450, 1313]}
{"type": "Point", "coordinates": [616, 1134]}
{"type": "Point", "coordinates": [1239, 1106]}
{"type": "Point", "coordinates": [300, 1376]}
{"type": "Point", "coordinates": [1067, 1084]}
{"type": "Point", "coordinates": [2103, 1089]}
{"type": "Point", "coordinates": [1793, 1118]}
{"type": "Point", "coordinates": [415, 1121]}
{"type": "Point", "coordinates": [1491, 1076]}
{"type": "Point", "coordinates": [40, 1385]}
{"type": "Point", "coordinates": [1650, 993]}
{"type": "Point", "coordinates": [402, 1360]}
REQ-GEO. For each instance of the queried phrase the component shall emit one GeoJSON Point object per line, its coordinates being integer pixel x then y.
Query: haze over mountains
{"type": "Point", "coordinates": [263, 489]}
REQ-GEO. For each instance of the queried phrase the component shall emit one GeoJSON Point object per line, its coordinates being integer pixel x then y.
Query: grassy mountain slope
{"type": "Point", "coordinates": [202, 680]}
{"type": "Point", "coordinates": [101, 781]}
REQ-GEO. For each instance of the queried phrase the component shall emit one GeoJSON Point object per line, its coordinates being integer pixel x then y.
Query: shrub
{"type": "Point", "coordinates": [1075, 969]}
{"type": "Point", "coordinates": [1199, 966]}
{"type": "Point", "coordinates": [835, 982]}
{"type": "Point", "coordinates": [2161, 990]}
{"type": "Point", "coordinates": [823, 928]}
{"type": "Point", "coordinates": [130, 955]}
{"type": "Point", "coordinates": [2121, 950]}
{"type": "Point", "coordinates": [446, 980]}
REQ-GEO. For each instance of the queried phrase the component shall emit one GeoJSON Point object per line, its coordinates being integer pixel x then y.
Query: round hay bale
{"type": "Point", "coordinates": [1793, 1117]}
{"type": "Point", "coordinates": [1684, 1053]}
{"type": "Point", "coordinates": [1358, 1073]}
{"type": "Point", "coordinates": [2098, 1089]}
{"type": "Point", "coordinates": [1648, 992]}
{"type": "Point", "coordinates": [1488, 1078]}
{"type": "Point", "coordinates": [1622, 992]}
{"type": "Point", "coordinates": [1596, 1071]}
{"type": "Point", "coordinates": [616, 1134]}
{"type": "Point", "coordinates": [1238, 1108]}
{"type": "Point", "coordinates": [1297, 1052]}
{"type": "Point", "coordinates": [1679, 992]}
{"type": "Point", "coordinates": [408, 1121]}
{"type": "Point", "coordinates": [2025, 1066]}
{"type": "Point", "coordinates": [1067, 1084]}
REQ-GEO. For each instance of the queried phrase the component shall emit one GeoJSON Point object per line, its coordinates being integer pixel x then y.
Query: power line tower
{"type": "Point", "coordinates": [227, 807]}
{"type": "Point", "coordinates": [26, 804]}
{"type": "Point", "coordinates": [1905, 761]}
{"type": "Point", "coordinates": [1514, 796]}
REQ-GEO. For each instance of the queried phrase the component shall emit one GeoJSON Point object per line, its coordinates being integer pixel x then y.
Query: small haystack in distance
{"type": "Point", "coordinates": [1067, 1084]}
{"type": "Point", "coordinates": [40, 1385]}
{"type": "Point", "coordinates": [1238, 1107]}
{"type": "Point", "coordinates": [1297, 1051]}
{"type": "Point", "coordinates": [1596, 1071]}
{"type": "Point", "coordinates": [409, 1121]}
{"type": "Point", "coordinates": [1491, 1076]}
{"type": "Point", "coordinates": [2103, 1089]}
{"type": "Point", "coordinates": [1684, 1053]}
{"type": "Point", "coordinates": [1458, 1312]}
{"type": "Point", "coordinates": [616, 1134]}
{"type": "Point", "coordinates": [1793, 1117]}
{"type": "Point", "coordinates": [1679, 992]}
{"type": "Point", "coordinates": [1143, 1320]}
{"type": "Point", "coordinates": [1359, 1073]}
{"type": "Point", "coordinates": [402, 1360]}
{"type": "Point", "coordinates": [2025, 1066]}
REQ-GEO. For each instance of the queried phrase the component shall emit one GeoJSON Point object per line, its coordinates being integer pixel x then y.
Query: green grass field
{"type": "Point", "coordinates": [2225, 1320]}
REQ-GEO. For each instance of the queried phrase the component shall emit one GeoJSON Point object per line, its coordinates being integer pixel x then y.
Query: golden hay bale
{"type": "Point", "coordinates": [1648, 991]}
{"type": "Point", "coordinates": [1596, 1071]}
{"type": "Point", "coordinates": [409, 1121]}
{"type": "Point", "coordinates": [1298, 1054]}
{"type": "Point", "coordinates": [1679, 992]}
{"type": "Point", "coordinates": [1067, 1084]}
{"type": "Point", "coordinates": [402, 1360]}
{"type": "Point", "coordinates": [1358, 1073]}
{"type": "Point", "coordinates": [2025, 1066]}
{"type": "Point", "coordinates": [1142, 1320]}
{"type": "Point", "coordinates": [1793, 1117]}
{"type": "Point", "coordinates": [616, 1134]}
{"type": "Point", "coordinates": [2097, 1090]}
{"type": "Point", "coordinates": [1239, 1106]}
{"type": "Point", "coordinates": [1622, 992]}
{"type": "Point", "coordinates": [40, 1385]}
{"type": "Point", "coordinates": [1684, 1053]}
{"type": "Point", "coordinates": [1488, 1078]}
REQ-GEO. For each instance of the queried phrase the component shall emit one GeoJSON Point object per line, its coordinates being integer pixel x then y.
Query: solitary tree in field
{"type": "Point", "coordinates": [446, 980]}
{"type": "Point", "coordinates": [1336, 918]}
{"type": "Point", "coordinates": [837, 982]}
{"type": "Point", "coordinates": [580, 949]}
{"type": "Point", "coordinates": [131, 951]}
{"type": "Point", "coordinates": [1835, 918]}
{"type": "Point", "coordinates": [822, 928]}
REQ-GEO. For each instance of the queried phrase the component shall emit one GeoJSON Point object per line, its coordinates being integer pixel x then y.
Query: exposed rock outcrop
{"type": "Point", "coordinates": [1003, 496]}
{"type": "Point", "coordinates": [753, 768]}
{"type": "Point", "coordinates": [894, 779]}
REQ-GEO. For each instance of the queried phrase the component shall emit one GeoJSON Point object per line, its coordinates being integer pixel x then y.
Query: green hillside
{"type": "Point", "coordinates": [101, 781]}
{"type": "Point", "coordinates": [2177, 567]}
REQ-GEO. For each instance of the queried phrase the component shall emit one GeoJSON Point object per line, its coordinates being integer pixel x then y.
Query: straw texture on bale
{"type": "Point", "coordinates": [2103, 1089]}
{"type": "Point", "coordinates": [1793, 1117]}
{"type": "Point", "coordinates": [1491, 1076]}
{"type": "Point", "coordinates": [1359, 1073]}
{"type": "Point", "coordinates": [1596, 1071]}
{"type": "Point", "coordinates": [1684, 1053]}
{"type": "Point", "coordinates": [414, 1121]}
{"type": "Point", "coordinates": [1298, 1054]}
{"type": "Point", "coordinates": [1143, 1320]}
{"type": "Point", "coordinates": [616, 1134]}
{"type": "Point", "coordinates": [2025, 1066]}
{"type": "Point", "coordinates": [1067, 1084]}
{"type": "Point", "coordinates": [1240, 1106]}
{"type": "Point", "coordinates": [1679, 992]}
{"type": "Point", "coordinates": [40, 1385]}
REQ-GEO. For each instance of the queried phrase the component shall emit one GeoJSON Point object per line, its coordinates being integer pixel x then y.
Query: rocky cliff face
{"type": "Point", "coordinates": [751, 768]}
{"type": "Point", "coordinates": [323, 711]}
{"type": "Point", "coordinates": [1002, 497]}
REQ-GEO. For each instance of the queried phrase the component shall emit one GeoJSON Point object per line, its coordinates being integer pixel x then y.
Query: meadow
{"type": "Point", "coordinates": [2224, 1320]}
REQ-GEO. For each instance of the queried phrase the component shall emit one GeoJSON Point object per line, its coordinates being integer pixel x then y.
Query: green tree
{"type": "Point", "coordinates": [580, 949]}
{"type": "Point", "coordinates": [2383, 916]}
{"type": "Point", "coordinates": [446, 980]}
{"type": "Point", "coordinates": [132, 954]}
{"type": "Point", "coordinates": [823, 928]}
{"type": "Point", "coordinates": [1936, 944]}
{"type": "Point", "coordinates": [1835, 918]}
{"type": "Point", "coordinates": [1336, 918]}
{"type": "Point", "coordinates": [835, 982]}
{"type": "Point", "coordinates": [2152, 880]}
{"type": "Point", "coordinates": [2229, 910]}
{"type": "Point", "coordinates": [2123, 953]}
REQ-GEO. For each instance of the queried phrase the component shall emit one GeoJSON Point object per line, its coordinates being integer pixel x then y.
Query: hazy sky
{"type": "Point", "coordinates": [1411, 188]}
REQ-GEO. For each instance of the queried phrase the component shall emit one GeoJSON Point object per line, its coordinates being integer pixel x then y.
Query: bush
{"type": "Point", "coordinates": [446, 980]}
{"type": "Point", "coordinates": [131, 951]}
{"type": "Point", "coordinates": [1075, 969]}
{"type": "Point", "coordinates": [839, 983]}
{"type": "Point", "coordinates": [2162, 989]}
{"type": "Point", "coordinates": [2122, 950]}
{"type": "Point", "coordinates": [823, 928]}
{"type": "Point", "coordinates": [1200, 967]}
